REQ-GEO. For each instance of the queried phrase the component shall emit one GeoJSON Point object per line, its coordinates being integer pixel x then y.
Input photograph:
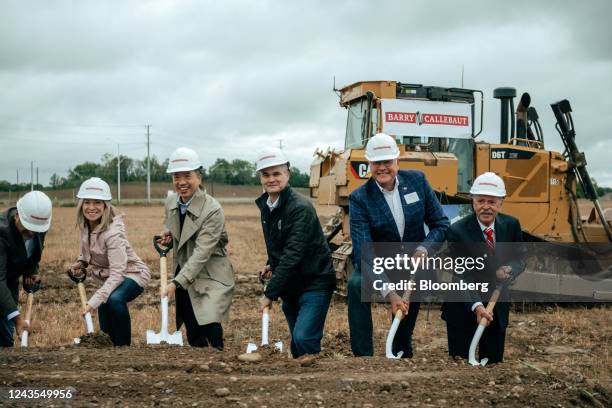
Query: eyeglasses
{"type": "Point", "coordinates": [385, 163]}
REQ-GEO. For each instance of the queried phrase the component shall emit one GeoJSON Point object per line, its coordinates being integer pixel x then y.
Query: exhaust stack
{"type": "Point", "coordinates": [506, 96]}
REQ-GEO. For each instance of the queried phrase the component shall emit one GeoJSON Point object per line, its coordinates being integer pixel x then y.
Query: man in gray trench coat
{"type": "Point", "coordinates": [204, 277]}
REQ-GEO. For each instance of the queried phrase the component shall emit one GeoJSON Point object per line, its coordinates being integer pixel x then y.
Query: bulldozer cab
{"type": "Point", "coordinates": [423, 119]}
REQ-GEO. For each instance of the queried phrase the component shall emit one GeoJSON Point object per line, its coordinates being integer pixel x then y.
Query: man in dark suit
{"type": "Point", "coordinates": [392, 206]}
{"type": "Point", "coordinates": [22, 236]}
{"type": "Point", "coordinates": [479, 235]}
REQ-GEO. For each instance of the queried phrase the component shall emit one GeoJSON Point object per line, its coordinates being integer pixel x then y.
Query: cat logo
{"type": "Point", "coordinates": [360, 170]}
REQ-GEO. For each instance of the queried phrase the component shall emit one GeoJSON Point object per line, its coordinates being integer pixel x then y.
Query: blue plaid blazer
{"type": "Point", "coordinates": [371, 219]}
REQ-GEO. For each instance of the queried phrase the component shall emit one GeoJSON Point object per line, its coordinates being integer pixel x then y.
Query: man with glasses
{"type": "Point", "coordinates": [392, 206]}
{"type": "Point", "coordinates": [22, 236]}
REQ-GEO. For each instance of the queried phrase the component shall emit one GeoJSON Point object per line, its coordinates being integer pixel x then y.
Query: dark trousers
{"type": "Point", "coordinates": [197, 335]}
{"type": "Point", "coordinates": [491, 343]}
{"type": "Point", "coordinates": [114, 315]}
{"type": "Point", "coordinates": [306, 318]}
{"type": "Point", "coordinates": [360, 323]}
{"type": "Point", "coordinates": [7, 328]}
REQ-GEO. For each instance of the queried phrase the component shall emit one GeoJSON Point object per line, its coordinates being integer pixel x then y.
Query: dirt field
{"type": "Point", "coordinates": [555, 357]}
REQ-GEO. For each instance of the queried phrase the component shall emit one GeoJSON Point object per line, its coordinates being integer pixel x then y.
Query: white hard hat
{"type": "Point", "coordinates": [34, 211]}
{"type": "Point", "coordinates": [488, 184]}
{"type": "Point", "coordinates": [381, 147]}
{"type": "Point", "coordinates": [270, 157]}
{"type": "Point", "coordinates": [183, 159]}
{"type": "Point", "coordinates": [95, 189]}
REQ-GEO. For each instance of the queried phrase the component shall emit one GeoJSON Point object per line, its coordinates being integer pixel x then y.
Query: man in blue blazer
{"type": "Point", "coordinates": [392, 206]}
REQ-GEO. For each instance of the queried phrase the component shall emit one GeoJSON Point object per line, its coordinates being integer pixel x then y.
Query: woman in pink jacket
{"type": "Point", "coordinates": [111, 260]}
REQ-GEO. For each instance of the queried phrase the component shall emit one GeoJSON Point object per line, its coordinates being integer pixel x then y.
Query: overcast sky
{"type": "Point", "coordinates": [229, 77]}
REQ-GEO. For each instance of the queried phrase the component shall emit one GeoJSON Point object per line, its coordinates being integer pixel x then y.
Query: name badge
{"type": "Point", "coordinates": [411, 198]}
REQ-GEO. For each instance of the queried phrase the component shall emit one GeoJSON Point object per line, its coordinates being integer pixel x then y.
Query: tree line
{"type": "Point", "coordinates": [234, 172]}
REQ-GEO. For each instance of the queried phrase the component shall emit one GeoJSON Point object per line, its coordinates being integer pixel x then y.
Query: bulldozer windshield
{"type": "Point", "coordinates": [357, 128]}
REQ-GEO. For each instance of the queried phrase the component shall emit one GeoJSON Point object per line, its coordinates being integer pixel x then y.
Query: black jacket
{"type": "Point", "coordinates": [466, 239]}
{"type": "Point", "coordinates": [297, 250]}
{"type": "Point", "coordinates": [14, 261]}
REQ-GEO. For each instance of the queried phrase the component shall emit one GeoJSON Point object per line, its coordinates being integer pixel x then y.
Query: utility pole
{"type": "Point", "coordinates": [18, 177]}
{"type": "Point", "coordinates": [280, 144]}
{"type": "Point", "coordinates": [148, 164]}
{"type": "Point", "coordinates": [36, 175]}
{"type": "Point", "coordinates": [118, 174]}
{"type": "Point", "coordinates": [31, 176]}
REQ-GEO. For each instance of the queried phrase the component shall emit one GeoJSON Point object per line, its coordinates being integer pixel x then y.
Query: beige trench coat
{"type": "Point", "coordinates": [199, 254]}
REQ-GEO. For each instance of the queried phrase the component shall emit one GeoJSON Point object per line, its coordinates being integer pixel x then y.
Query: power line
{"type": "Point", "coordinates": [68, 124]}
{"type": "Point", "coordinates": [74, 142]}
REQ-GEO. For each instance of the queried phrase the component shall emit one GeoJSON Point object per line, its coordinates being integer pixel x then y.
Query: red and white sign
{"type": "Point", "coordinates": [405, 117]}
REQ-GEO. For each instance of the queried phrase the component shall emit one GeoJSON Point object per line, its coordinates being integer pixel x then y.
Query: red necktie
{"type": "Point", "coordinates": [490, 243]}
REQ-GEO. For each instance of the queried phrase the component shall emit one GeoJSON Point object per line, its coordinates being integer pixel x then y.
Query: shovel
{"type": "Point", "coordinates": [81, 286]}
{"type": "Point", "coordinates": [163, 336]}
{"type": "Point", "coordinates": [480, 329]}
{"type": "Point", "coordinates": [265, 323]}
{"type": "Point", "coordinates": [28, 315]}
{"type": "Point", "coordinates": [399, 315]}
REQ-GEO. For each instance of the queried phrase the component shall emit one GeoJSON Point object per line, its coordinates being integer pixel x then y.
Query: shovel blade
{"type": "Point", "coordinates": [159, 338]}
{"type": "Point", "coordinates": [279, 346]}
{"type": "Point", "coordinates": [390, 337]}
{"type": "Point", "coordinates": [174, 338]}
{"type": "Point", "coordinates": [473, 345]}
{"type": "Point", "coordinates": [24, 339]}
{"type": "Point", "coordinates": [390, 355]}
{"type": "Point", "coordinates": [251, 347]}
{"type": "Point", "coordinates": [152, 337]}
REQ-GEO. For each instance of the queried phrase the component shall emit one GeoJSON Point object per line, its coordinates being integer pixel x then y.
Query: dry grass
{"type": "Point", "coordinates": [138, 191]}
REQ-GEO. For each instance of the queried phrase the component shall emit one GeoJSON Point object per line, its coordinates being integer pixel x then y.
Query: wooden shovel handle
{"type": "Point", "coordinates": [492, 301]}
{"type": "Point", "coordinates": [163, 273]}
{"type": "Point", "coordinates": [30, 301]}
{"type": "Point", "coordinates": [266, 310]}
{"type": "Point", "coordinates": [82, 294]}
{"type": "Point", "coordinates": [399, 314]}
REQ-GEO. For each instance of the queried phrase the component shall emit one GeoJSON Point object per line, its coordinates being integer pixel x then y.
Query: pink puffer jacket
{"type": "Point", "coordinates": [111, 259]}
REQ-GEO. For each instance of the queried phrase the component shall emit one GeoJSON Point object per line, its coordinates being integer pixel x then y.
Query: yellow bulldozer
{"type": "Point", "coordinates": [436, 129]}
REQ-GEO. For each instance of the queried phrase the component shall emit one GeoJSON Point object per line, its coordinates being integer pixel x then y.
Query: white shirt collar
{"type": "Point", "coordinates": [395, 187]}
{"type": "Point", "coordinates": [484, 227]}
{"type": "Point", "coordinates": [183, 207]}
{"type": "Point", "coordinates": [273, 205]}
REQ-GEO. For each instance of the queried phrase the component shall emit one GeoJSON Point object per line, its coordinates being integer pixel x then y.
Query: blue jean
{"type": "Point", "coordinates": [360, 323]}
{"type": "Point", "coordinates": [306, 318]}
{"type": "Point", "coordinates": [6, 332]}
{"type": "Point", "coordinates": [114, 315]}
